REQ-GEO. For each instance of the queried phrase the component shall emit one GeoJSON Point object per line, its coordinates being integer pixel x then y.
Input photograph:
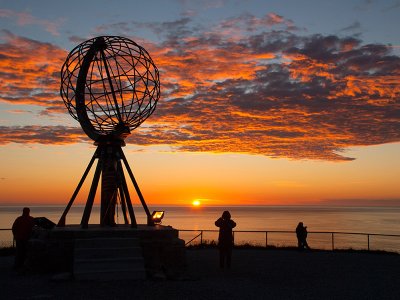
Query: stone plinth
{"type": "Point", "coordinates": [162, 251]}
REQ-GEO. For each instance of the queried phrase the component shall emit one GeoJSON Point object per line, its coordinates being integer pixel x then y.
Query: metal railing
{"type": "Point", "coordinates": [268, 233]}
{"type": "Point", "coordinates": [332, 234]}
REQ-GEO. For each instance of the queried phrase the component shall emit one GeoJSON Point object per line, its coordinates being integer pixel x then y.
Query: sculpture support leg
{"type": "Point", "coordinates": [123, 202]}
{"type": "Point", "coordinates": [61, 222]}
{"type": "Point", "coordinates": [109, 187]}
{"type": "Point", "coordinates": [92, 194]}
{"type": "Point", "coordinates": [109, 167]}
{"type": "Point", "coordinates": [127, 196]}
{"type": "Point", "coordinates": [136, 187]}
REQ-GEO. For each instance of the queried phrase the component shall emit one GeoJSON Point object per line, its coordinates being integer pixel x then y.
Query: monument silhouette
{"type": "Point", "coordinates": [110, 85]}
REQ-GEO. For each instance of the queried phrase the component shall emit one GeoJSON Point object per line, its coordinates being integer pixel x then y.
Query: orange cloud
{"type": "Point", "coordinates": [30, 71]}
{"type": "Point", "coordinates": [269, 93]}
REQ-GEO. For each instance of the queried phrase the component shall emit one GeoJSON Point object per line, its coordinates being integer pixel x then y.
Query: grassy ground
{"type": "Point", "coordinates": [210, 244]}
{"type": "Point", "coordinates": [7, 251]}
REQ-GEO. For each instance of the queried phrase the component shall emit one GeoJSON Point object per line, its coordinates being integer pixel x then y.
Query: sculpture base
{"type": "Point", "coordinates": [163, 252]}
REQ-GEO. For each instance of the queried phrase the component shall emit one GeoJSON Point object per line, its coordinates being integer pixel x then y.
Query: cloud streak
{"type": "Point", "coordinates": [55, 135]}
{"type": "Point", "coordinates": [247, 84]}
{"type": "Point", "coordinates": [25, 19]}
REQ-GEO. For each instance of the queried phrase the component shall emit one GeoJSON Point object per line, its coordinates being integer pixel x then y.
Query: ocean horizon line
{"type": "Point", "coordinates": [383, 204]}
{"type": "Point", "coordinates": [345, 202]}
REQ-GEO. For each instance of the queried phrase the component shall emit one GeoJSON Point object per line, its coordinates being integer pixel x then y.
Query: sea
{"type": "Point", "coordinates": [329, 226]}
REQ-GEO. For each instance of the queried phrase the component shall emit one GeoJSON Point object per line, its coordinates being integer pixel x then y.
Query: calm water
{"type": "Point", "coordinates": [382, 220]}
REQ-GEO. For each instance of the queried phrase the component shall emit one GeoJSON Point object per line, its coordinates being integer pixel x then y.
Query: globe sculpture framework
{"type": "Point", "coordinates": [110, 85]}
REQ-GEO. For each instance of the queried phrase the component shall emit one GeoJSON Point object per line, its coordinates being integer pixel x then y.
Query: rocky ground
{"type": "Point", "coordinates": [255, 274]}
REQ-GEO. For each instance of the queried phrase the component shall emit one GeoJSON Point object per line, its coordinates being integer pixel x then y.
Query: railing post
{"type": "Point", "coordinates": [368, 241]}
{"type": "Point", "coordinates": [333, 242]}
{"type": "Point", "coordinates": [266, 239]}
{"type": "Point", "coordinates": [201, 238]}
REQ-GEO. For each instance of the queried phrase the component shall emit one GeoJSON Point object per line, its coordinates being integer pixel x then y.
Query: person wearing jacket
{"type": "Point", "coordinates": [301, 233]}
{"type": "Point", "coordinates": [225, 238]}
{"type": "Point", "coordinates": [22, 230]}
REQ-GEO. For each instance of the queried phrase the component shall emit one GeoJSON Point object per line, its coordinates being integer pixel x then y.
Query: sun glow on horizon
{"type": "Point", "coordinates": [196, 203]}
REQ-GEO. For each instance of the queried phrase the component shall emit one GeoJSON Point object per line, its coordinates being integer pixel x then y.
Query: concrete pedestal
{"type": "Point", "coordinates": [60, 249]}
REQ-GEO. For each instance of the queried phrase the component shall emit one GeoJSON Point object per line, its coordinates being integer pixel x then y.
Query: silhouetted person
{"type": "Point", "coordinates": [225, 238]}
{"type": "Point", "coordinates": [301, 233]}
{"type": "Point", "coordinates": [22, 230]}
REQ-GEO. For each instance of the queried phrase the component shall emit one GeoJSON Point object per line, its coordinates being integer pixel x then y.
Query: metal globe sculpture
{"type": "Point", "coordinates": [110, 85]}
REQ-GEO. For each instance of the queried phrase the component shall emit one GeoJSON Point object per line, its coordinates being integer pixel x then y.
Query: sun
{"type": "Point", "coordinates": [196, 203]}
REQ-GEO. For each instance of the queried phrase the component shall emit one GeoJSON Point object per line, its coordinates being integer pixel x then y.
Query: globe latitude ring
{"type": "Point", "coordinates": [110, 85]}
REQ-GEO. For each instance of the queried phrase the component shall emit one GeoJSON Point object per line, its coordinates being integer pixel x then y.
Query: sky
{"type": "Point", "coordinates": [262, 102]}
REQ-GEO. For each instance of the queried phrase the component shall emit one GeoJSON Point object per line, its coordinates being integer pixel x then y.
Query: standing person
{"type": "Point", "coordinates": [22, 230]}
{"type": "Point", "coordinates": [225, 238]}
{"type": "Point", "coordinates": [301, 233]}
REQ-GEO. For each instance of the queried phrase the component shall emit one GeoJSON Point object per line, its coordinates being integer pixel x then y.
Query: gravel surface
{"type": "Point", "coordinates": [255, 274]}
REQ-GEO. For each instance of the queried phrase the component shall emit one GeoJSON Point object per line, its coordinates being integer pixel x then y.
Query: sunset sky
{"type": "Point", "coordinates": [262, 102]}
